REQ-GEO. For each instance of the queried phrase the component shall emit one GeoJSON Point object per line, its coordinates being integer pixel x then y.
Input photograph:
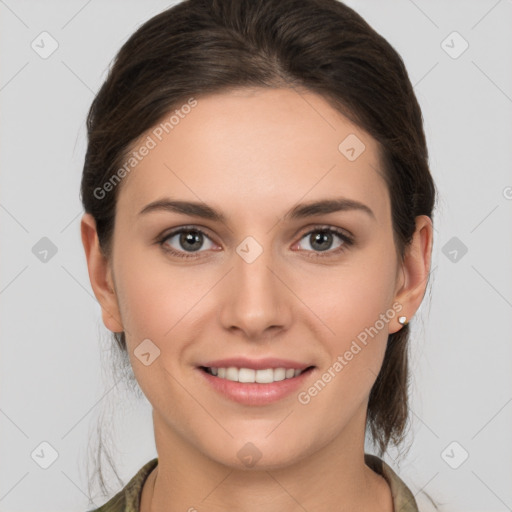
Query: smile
{"type": "Point", "coordinates": [250, 375]}
{"type": "Point", "coordinates": [255, 386]}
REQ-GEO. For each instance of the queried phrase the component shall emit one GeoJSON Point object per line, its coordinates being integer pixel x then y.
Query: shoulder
{"type": "Point", "coordinates": [128, 498]}
{"type": "Point", "coordinates": [403, 498]}
{"type": "Point", "coordinates": [425, 503]}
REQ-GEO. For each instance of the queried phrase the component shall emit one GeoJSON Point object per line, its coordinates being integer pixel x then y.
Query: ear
{"type": "Point", "coordinates": [100, 275]}
{"type": "Point", "coordinates": [414, 270]}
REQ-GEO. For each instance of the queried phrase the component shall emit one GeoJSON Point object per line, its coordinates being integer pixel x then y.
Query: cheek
{"type": "Point", "coordinates": [351, 299]}
{"type": "Point", "coordinates": [164, 303]}
{"type": "Point", "coordinates": [358, 314]}
{"type": "Point", "coordinates": [355, 308]}
{"type": "Point", "coordinates": [156, 303]}
{"type": "Point", "coordinates": [155, 294]}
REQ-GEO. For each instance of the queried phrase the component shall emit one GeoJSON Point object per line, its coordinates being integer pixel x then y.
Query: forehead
{"type": "Point", "coordinates": [245, 148]}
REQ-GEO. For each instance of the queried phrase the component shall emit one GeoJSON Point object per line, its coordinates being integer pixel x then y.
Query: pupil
{"type": "Point", "coordinates": [192, 237]}
{"type": "Point", "coordinates": [325, 237]}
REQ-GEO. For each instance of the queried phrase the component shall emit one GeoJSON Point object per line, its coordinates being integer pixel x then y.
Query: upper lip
{"type": "Point", "coordinates": [256, 364]}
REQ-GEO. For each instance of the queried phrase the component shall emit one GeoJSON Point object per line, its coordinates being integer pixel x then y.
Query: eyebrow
{"type": "Point", "coordinates": [300, 211]}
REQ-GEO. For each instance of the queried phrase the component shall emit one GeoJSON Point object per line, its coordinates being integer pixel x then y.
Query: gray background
{"type": "Point", "coordinates": [54, 342]}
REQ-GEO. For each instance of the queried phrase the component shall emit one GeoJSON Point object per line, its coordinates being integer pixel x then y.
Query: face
{"type": "Point", "coordinates": [266, 282]}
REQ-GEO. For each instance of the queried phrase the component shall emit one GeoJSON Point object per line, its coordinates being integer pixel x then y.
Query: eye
{"type": "Point", "coordinates": [186, 240]}
{"type": "Point", "coordinates": [320, 240]}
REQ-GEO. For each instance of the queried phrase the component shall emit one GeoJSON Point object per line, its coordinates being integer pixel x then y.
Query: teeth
{"type": "Point", "coordinates": [265, 376]}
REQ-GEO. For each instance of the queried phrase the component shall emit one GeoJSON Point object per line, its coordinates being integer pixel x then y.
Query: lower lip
{"type": "Point", "coordinates": [254, 393]}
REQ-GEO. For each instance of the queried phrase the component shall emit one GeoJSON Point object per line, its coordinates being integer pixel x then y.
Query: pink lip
{"type": "Point", "coordinates": [256, 364]}
{"type": "Point", "coordinates": [254, 393]}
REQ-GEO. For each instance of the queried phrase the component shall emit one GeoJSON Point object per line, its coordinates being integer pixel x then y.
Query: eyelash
{"type": "Point", "coordinates": [348, 241]}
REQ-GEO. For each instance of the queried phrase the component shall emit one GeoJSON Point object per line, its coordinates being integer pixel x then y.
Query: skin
{"type": "Point", "coordinates": [253, 154]}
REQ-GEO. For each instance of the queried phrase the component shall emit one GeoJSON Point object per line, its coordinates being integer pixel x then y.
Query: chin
{"type": "Point", "coordinates": [259, 454]}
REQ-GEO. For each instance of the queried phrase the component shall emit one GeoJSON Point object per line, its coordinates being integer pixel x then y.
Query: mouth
{"type": "Point", "coordinates": [251, 375]}
{"type": "Point", "coordinates": [255, 382]}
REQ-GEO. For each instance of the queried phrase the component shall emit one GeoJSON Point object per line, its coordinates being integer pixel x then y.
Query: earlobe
{"type": "Point", "coordinates": [415, 270]}
{"type": "Point", "coordinates": [100, 274]}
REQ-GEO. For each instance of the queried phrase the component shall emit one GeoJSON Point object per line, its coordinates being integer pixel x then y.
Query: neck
{"type": "Point", "coordinates": [334, 478]}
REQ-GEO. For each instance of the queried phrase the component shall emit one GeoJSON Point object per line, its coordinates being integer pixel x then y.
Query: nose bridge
{"type": "Point", "coordinates": [257, 299]}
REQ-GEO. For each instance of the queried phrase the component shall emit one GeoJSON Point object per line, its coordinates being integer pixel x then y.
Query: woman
{"type": "Point", "coordinates": [258, 233]}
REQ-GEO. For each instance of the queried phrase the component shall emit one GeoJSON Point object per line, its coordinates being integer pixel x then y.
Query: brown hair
{"type": "Point", "coordinates": [199, 47]}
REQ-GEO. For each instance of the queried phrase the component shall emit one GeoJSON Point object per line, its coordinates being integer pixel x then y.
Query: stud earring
{"type": "Point", "coordinates": [403, 320]}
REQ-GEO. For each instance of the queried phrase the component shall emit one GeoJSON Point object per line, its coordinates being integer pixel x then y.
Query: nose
{"type": "Point", "coordinates": [256, 300]}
